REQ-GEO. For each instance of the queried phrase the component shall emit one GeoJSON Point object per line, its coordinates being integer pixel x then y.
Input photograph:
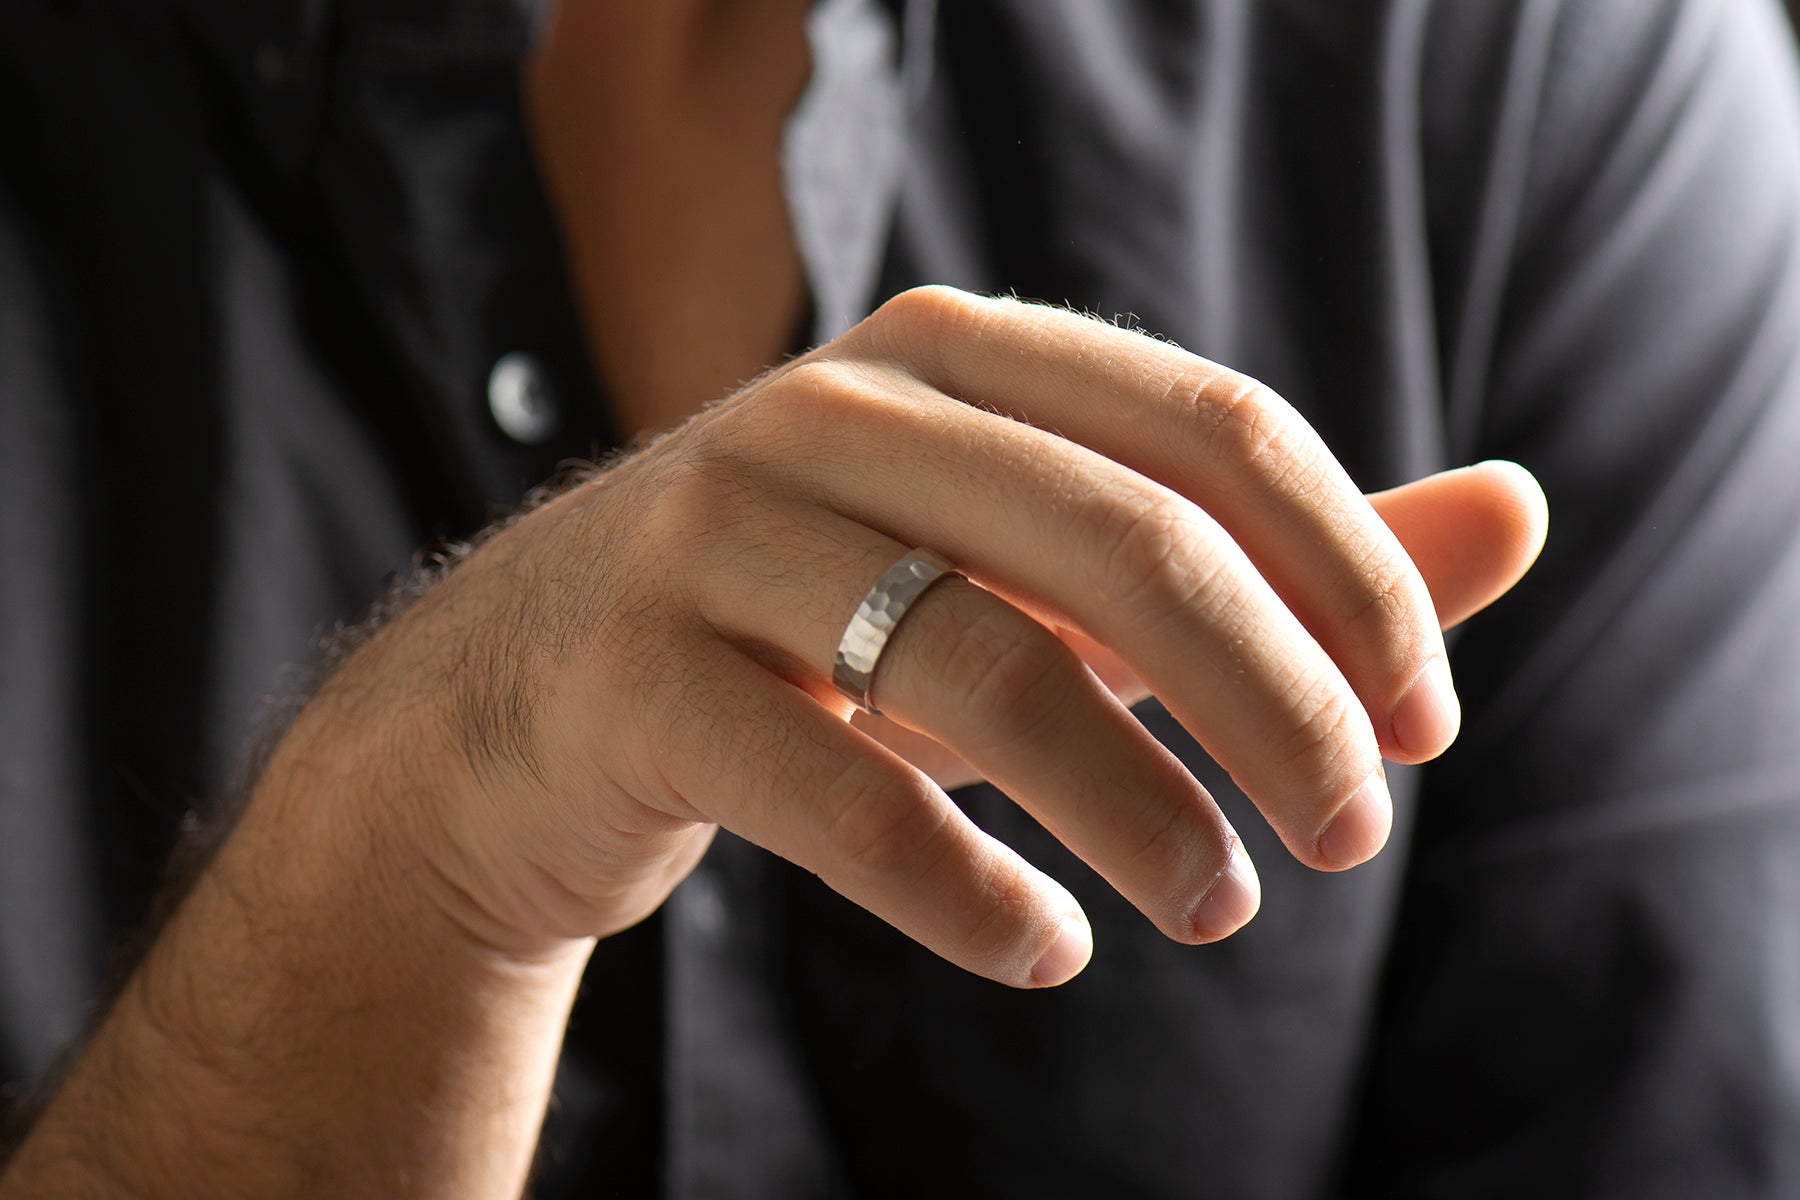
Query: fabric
{"type": "Point", "coordinates": [257, 262]}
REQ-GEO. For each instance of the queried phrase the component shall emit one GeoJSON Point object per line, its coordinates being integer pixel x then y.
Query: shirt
{"type": "Point", "coordinates": [280, 300]}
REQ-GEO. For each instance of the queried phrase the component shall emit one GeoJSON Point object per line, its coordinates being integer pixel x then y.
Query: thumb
{"type": "Point", "coordinates": [1472, 532]}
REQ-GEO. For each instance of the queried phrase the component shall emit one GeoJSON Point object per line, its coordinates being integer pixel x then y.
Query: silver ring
{"type": "Point", "coordinates": [867, 634]}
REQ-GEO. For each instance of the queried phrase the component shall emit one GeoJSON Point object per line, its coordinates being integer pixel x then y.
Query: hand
{"type": "Point", "coordinates": [576, 707]}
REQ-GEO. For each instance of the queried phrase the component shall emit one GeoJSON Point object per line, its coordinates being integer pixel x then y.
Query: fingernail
{"type": "Point", "coordinates": [1231, 901]}
{"type": "Point", "coordinates": [1361, 827]}
{"type": "Point", "coordinates": [1070, 952]}
{"type": "Point", "coordinates": [1428, 716]}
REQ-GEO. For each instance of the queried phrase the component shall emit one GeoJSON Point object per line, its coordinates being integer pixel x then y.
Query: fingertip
{"type": "Point", "coordinates": [1360, 829]}
{"type": "Point", "coordinates": [1473, 532]}
{"type": "Point", "coordinates": [1516, 473]}
{"type": "Point", "coordinates": [1428, 717]}
{"type": "Point", "coordinates": [1528, 507]}
{"type": "Point", "coordinates": [1067, 955]}
{"type": "Point", "coordinates": [1233, 899]}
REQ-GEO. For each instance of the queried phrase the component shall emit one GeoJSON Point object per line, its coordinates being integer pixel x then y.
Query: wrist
{"type": "Point", "coordinates": [314, 1019]}
{"type": "Point", "coordinates": [380, 818]}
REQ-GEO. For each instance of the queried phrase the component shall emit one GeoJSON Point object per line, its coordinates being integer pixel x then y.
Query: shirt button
{"type": "Point", "coordinates": [521, 400]}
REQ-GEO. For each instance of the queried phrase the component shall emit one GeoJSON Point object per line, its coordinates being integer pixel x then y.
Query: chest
{"type": "Point", "coordinates": [658, 130]}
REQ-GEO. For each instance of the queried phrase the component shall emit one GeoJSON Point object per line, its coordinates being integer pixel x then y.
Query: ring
{"type": "Point", "coordinates": [867, 634]}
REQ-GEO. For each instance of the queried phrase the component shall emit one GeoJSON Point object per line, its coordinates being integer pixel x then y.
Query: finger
{"type": "Point", "coordinates": [950, 770]}
{"type": "Point", "coordinates": [1473, 532]}
{"type": "Point", "coordinates": [761, 758]}
{"type": "Point", "coordinates": [1003, 693]}
{"type": "Point", "coordinates": [1015, 702]}
{"type": "Point", "coordinates": [946, 768]}
{"type": "Point", "coordinates": [1108, 667]}
{"type": "Point", "coordinates": [1107, 551]}
{"type": "Point", "coordinates": [1233, 447]}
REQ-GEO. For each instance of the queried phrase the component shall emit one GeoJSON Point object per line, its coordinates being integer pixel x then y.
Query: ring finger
{"type": "Point", "coordinates": [993, 685]}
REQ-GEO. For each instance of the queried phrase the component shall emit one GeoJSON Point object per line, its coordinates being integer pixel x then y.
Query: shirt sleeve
{"type": "Point", "coordinates": [1594, 989]}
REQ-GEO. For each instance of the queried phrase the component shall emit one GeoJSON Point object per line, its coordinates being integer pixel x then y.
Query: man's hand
{"type": "Point", "coordinates": [649, 657]}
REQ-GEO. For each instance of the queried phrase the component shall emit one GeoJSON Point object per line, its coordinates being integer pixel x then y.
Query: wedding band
{"type": "Point", "coordinates": [867, 634]}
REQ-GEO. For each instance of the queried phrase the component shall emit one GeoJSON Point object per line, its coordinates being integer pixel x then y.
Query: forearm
{"type": "Point", "coordinates": [313, 1021]}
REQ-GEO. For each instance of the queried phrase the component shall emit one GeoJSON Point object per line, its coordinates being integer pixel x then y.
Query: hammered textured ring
{"type": "Point", "coordinates": [867, 634]}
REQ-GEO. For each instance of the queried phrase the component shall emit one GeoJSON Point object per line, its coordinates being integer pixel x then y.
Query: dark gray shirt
{"type": "Point", "coordinates": [258, 263]}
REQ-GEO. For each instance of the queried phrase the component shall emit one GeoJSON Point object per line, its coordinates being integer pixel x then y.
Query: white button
{"type": "Point", "coordinates": [520, 399]}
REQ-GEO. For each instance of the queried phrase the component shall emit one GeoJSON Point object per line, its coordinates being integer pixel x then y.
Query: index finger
{"type": "Point", "coordinates": [1230, 445]}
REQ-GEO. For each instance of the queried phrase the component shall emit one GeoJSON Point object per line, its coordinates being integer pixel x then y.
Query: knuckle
{"type": "Point", "coordinates": [995, 936]}
{"type": "Point", "coordinates": [1152, 555]}
{"type": "Point", "coordinates": [881, 825]}
{"type": "Point", "coordinates": [930, 303]}
{"type": "Point", "coordinates": [1251, 432]}
{"type": "Point", "coordinates": [1387, 599]}
{"type": "Point", "coordinates": [1004, 671]}
{"type": "Point", "coordinates": [994, 664]}
{"type": "Point", "coordinates": [1167, 847]}
{"type": "Point", "coordinates": [807, 389]}
{"type": "Point", "coordinates": [812, 399]}
{"type": "Point", "coordinates": [1246, 424]}
{"type": "Point", "coordinates": [1324, 729]}
{"type": "Point", "coordinates": [921, 317]}
{"type": "Point", "coordinates": [820, 378]}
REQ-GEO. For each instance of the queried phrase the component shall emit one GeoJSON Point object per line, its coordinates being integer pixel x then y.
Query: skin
{"type": "Point", "coordinates": [689, 280]}
{"type": "Point", "coordinates": [365, 992]}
